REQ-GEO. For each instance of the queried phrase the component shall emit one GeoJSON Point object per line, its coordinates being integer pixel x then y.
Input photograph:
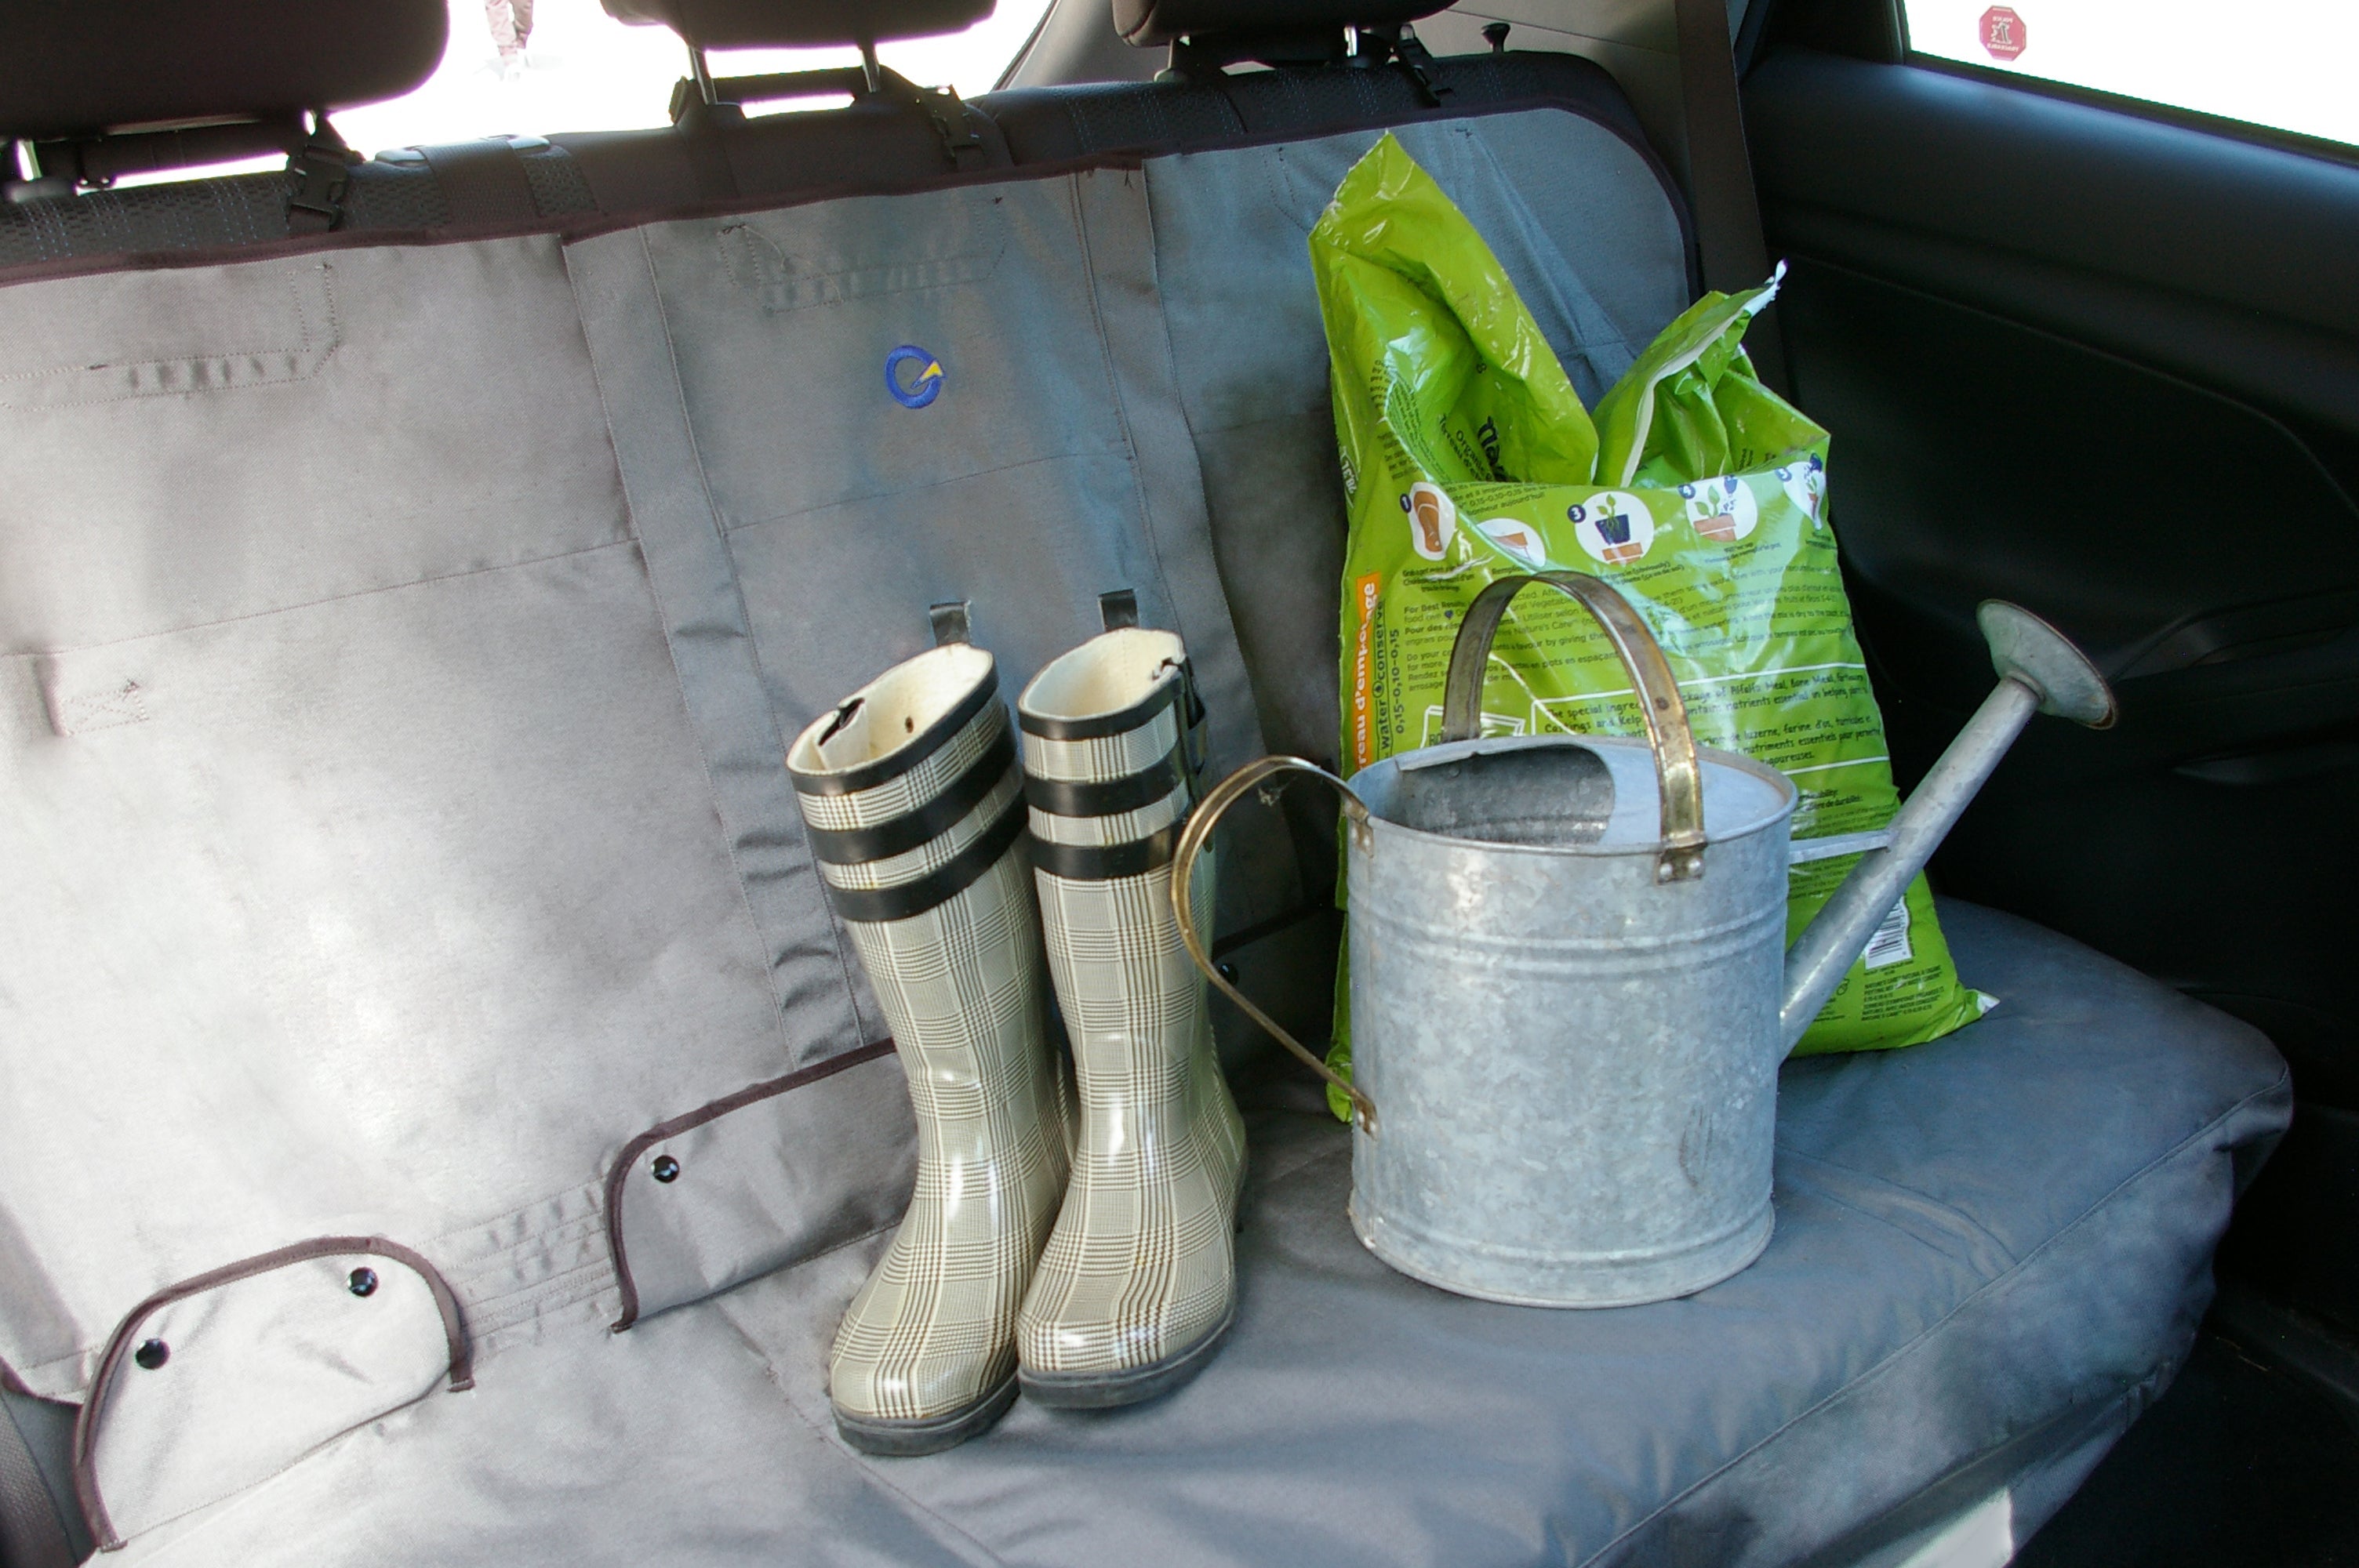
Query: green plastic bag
{"type": "Point", "coordinates": [1695, 490]}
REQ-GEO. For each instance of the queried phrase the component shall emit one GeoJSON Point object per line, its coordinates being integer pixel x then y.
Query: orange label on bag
{"type": "Point", "coordinates": [1363, 738]}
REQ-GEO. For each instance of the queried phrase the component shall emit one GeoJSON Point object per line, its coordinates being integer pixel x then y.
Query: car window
{"type": "Point", "coordinates": [526, 65]}
{"type": "Point", "coordinates": [529, 66]}
{"type": "Point", "coordinates": [2286, 64]}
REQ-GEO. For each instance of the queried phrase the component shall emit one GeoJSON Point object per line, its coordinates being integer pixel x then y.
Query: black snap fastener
{"type": "Point", "coordinates": [666, 1168]}
{"type": "Point", "coordinates": [361, 1282]}
{"type": "Point", "coordinates": [1228, 972]}
{"type": "Point", "coordinates": [152, 1353]}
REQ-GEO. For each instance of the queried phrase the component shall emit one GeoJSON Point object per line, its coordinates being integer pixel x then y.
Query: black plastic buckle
{"type": "Point", "coordinates": [322, 171]}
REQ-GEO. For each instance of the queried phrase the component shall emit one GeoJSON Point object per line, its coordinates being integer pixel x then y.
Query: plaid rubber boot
{"type": "Point", "coordinates": [914, 805]}
{"type": "Point", "coordinates": [1138, 1282]}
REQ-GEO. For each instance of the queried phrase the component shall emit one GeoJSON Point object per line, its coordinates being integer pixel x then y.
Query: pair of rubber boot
{"type": "Point", "coordinates": [1074, 1238]}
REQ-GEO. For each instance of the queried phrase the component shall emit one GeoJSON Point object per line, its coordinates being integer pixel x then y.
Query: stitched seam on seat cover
{"type": "Point", "coordinates": [753, 652]}
{"type": "Point", "coordinates": [492, 1315]}
{"type": "Point", "coordinates": [2078, 1422]}
{"type": "Point", "coordinates": [1585, 339]}
{"type": "Point", "coordinates": [1965, 1220]}
{"type": "Point", "coordinates": [1924, 1335]}
{"type": "Point", "coordinates": [303, 345]}
{"type": "Point", "coordinates": [1145, 507]}
{"type": "Point", "coordinates": [1171, 356]}
{"type": "Point", "coordinates": [317, 603]}
{"type": "Point", "coordinates": [704, 762]}
{"type": "Point", "coordinates": [1077, 211]}
{"type": "Point", "coordinates": [1119, 452]}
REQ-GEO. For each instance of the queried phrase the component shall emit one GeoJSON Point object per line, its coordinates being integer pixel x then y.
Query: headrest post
{"type": "Point", "coordinates": [792, 24]}
{"type": "Point", "coordinates": [869, 67]}
{"type": "Point", "coordinates": [1218, 33]}
{"type": "Point", "coordinates": [699, 69]}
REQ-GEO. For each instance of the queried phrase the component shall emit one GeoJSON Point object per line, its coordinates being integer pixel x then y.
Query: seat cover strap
{"type": "Point", "coordinates": [483, 183]}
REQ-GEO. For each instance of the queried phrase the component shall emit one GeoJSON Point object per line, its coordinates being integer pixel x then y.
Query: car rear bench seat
{"type": "Point", "coordinates": [401, 633]}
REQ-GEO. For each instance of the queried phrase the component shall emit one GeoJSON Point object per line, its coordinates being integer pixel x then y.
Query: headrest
{"type": "Point", "coordinates": [787, 24]}
{"type": "Point", "coordinates": [74, 67]}
{"type": "Point", "coordinates": [1149, 22]}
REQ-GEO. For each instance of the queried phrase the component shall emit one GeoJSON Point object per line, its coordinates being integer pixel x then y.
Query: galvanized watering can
{"type": "Point", "coordinates": [1569, 987]}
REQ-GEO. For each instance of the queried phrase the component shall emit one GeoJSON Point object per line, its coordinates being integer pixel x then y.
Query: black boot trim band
{"type": "Point", "coordinates": [1075, 797]}
{"type": "Point", "coordinates": [937, 887]}
{"type": "Point", "coordinates": [1105, 862]}
{"type": "Point", "coordinates": [899, 835]}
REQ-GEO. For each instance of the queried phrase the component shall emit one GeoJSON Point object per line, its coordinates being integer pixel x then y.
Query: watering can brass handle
{"type": "Point", "coordinates": [1192, 841]}
{"type": "Point", "coordinates": [1677, 774]}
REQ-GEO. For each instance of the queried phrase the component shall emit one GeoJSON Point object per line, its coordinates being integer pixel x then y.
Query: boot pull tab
{"type": "Point", "coordinates": [952, 622]}
{"type": "Point", "coordinates": [844, 716]}
{"type": "Point", "coordinates": [1191, 717]}
{"type": "Point", "coordinates": [1118, 608]}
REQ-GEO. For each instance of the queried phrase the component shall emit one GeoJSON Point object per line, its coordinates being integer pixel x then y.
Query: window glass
{"type": "Point", "coordinates": [518, 67]}
{"type": "Point", "coordinates": [2288, 64]}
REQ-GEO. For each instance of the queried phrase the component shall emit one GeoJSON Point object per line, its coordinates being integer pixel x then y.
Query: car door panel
{"type": "Point", "coordinates": [2108, 366]}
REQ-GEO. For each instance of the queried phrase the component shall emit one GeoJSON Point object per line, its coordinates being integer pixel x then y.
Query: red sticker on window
{"type": "Point", "coordinates": [2003, 32]}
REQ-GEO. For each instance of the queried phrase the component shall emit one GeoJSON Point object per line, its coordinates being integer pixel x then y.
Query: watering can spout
{"type": "Point", "coordinates": [2040, 672]}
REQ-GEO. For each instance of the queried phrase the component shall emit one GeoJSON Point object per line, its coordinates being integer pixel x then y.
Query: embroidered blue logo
{"type": "Point", "coordinates": [913, 376]}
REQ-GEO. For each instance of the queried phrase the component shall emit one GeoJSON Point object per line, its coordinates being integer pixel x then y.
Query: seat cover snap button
{"type": "Point", "coordinates": [152, 1353]}
{"type": "Point", "coordinates": [361, 1282]}
{"type": "Point", "coordinates": [666, 1168]}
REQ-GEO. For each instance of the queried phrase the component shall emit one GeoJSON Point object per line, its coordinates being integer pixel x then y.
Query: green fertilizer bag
{"type": "Point", "coordinates": [1695, 490]}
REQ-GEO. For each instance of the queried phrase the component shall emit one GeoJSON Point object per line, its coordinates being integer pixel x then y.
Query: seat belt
{"type": "Point", "coordinates": [31, 1533]}
{"type": "Point", "coordinates": [1720, 177]}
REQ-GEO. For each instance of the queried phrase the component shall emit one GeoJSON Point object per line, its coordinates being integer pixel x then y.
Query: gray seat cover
{"type": "Point", "coordinates": [398, 643]}
{"type": "Point", "coordinates": [1991, 1248]}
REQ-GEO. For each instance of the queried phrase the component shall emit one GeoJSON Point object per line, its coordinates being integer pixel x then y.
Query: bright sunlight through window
{"type": "Point", "coordinates": [576, 69]}
{"type": "Point", "coordinates": [2282, 63]}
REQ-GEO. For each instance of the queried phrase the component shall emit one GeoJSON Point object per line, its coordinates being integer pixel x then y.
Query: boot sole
{"type": "Point", "coordinates": [907, 1439]}
{"type": "Point", "coordinates": [1106, 1391]}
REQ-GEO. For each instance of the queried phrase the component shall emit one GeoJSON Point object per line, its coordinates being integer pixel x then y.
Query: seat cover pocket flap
{"type": "Point", "coordinates": [771, 1176]}
{"type": "Point", "coordinates": [221, 1381]}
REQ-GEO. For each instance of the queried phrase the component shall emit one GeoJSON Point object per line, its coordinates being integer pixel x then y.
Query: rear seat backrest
{"type": "Point", "coordinates": [1544, 152]}
{"type": "Point", "coordinates": [364, 878]}
{"type": "Point", "coordinates": [400, 640]}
